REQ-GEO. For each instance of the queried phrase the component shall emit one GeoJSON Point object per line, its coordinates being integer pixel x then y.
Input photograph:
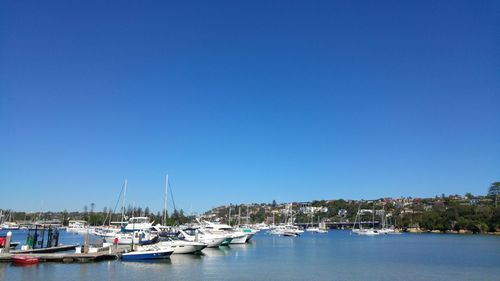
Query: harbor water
{"type": "Point", "coordinates": [337, 255]}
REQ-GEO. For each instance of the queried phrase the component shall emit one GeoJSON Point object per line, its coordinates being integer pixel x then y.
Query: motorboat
{"type": "Point", "coordinates": [136, 237]}
{"type": "Point", "coordinates": [148, 253]}
{"type": "Point", "coordinates": [192, 234]}
{"type": "Point", "coordinates": [77, 227]}
{"type": "Point", "coordinates": [106, 231]}
{"type": "Point", "coordinates": [138, 223]}
{"type": "Point", "coordinates": [238, 236]}
{"type": "Point", "coordinates": [181, 246]}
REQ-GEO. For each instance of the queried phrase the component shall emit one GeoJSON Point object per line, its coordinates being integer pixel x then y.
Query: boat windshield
{"type": "Point", "coordinates": [139, 220]}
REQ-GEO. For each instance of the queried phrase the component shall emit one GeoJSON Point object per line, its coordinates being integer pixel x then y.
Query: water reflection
{"type": "Point", "coordinates": [149, 265]}
{"type": "Point", "coordinates": [216, 252]}
{"type": "Point", "coordinates": [183, 259]}
{"type": "Point", "coordinates": [336, 255]}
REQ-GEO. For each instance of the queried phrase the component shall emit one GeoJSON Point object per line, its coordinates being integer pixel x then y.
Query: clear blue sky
{"type": "Point", "coordinates": [246, 101]}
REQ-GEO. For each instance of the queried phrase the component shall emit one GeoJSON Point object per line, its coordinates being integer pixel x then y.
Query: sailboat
{"type": "Point", "coordinates": [312, 228]}
{"type": "Point", "coordinates": [371, 231]}
{"type": "Point", "coordinates": [361, 231]}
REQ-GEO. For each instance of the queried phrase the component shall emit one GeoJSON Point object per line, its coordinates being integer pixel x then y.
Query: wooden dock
{"type": "Point", "coordinates": [102, 254]}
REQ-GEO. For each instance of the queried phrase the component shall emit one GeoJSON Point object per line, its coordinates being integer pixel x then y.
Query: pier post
{"type": "Point", "coordinates": [86, 242]}
{"type": "Point", "coordinates": [7, 242]}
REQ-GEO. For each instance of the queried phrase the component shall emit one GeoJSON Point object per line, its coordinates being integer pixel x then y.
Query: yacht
{"type": "Point", "coordinates": [212, 240]}
{"type": "Point", "coordinates": [238, 236]}
{"type": "Point", "coordinates": [138, 223]}
{"type": "Point", "coordinates": [181, 246]}
{"type": "Point", "coordinates": [135, 237]}
{"type": "Point", "coordinates": [78, 227]}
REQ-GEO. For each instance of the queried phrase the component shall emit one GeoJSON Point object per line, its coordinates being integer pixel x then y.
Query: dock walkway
{"type": "Point", "coordinates": [70, 257]}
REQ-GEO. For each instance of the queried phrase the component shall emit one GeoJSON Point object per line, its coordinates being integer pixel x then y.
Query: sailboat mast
{"type": "Point", "coordinates": [382, 216]}
{"type": "Point", "coordinates": [165, 201]}
{"type": "Point", "coordinates": [239, 215]}
{"type": "Point", "coordinates": [373, 215]}
{"type": "Point", "coordinates": [123, 201]}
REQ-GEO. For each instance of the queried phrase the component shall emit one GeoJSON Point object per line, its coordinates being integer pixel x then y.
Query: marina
{"type": "Point", "coordinates": [249, 140]}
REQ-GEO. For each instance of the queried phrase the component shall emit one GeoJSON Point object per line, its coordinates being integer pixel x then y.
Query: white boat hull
{"type": "Point", "coordinates": [183, 247]}
{"type": "Point", "coordinates": [240, 239]}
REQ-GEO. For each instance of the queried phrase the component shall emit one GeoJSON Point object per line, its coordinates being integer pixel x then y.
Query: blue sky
{"type": "Point", "coordinates": [246, 101]}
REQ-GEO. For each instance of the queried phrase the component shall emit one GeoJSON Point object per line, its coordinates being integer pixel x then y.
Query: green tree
{"type": "Point", "coordinates": [494, 191]}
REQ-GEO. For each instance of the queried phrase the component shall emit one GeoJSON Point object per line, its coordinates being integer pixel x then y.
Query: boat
{"type": "Point", "coordinates": [312, 229]}
{"type": "Point", "coordinates": [286, 230]}
{"type": "Point", "coordinates": [192, 234]}
{"type": "Point", "coordinates": [6, 221]}
{"type": "Point", "coordinates": [138, 223]}
{"type": "Point", "coordinates": [10, 226]}
{"type": "Point", "coordinates": [181, 246]}
{"type": "Point", "coordinates": [365, 231]}
{"type": "Point", "coordinates": [77, 226]}
{"type": "Point", "coordinates": [316, 230]}
{"type": "Point", "coordinates": [387, 228]}
{"type": "Point", "coordinates": [3, 240]}
{"type": "Point", "coordinates": [368, 232]}
{"type": "Point", "coordinates": [106, 231]}
{"type": "Point", "coordinates": [237, 236]}
{"type": "Point", "coordinates": [148, 253]}
{"type": "Point", "coordinates": [24, 260]}
{"type": "Point", "coordinates": [290, 234]}
{"type": "Point", "coordinates": [14, 245]}
{"type": "Point", "coordinates": [126, 238]}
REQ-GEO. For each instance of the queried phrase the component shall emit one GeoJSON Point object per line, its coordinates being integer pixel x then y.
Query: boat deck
{"type": "Point", "coordinates": [61, 248]}
{"type": "Point", "coordinates": [65, 258]}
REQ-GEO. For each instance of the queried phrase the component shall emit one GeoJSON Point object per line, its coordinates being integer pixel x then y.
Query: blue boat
{"type": "Point", "coordinates": [149, 254]}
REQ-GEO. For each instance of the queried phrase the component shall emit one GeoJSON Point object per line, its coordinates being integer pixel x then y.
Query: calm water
{"type": "Point", "coordinates": [333, 256]}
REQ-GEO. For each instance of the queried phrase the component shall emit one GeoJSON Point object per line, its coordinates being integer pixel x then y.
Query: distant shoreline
{"type": "Point", "coordinates": [461, 232]}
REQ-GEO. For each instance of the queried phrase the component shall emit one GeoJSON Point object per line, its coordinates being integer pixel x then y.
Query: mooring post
{"type": "Point", "coordinates": [7, 242]}
{"type": "Point", "coordinates": [86, 242]}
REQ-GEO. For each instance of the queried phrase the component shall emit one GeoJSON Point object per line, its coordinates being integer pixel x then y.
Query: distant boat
{"type": "Point", "coordinates": [78, 227]}
{"type": "Point", "coordinates": [149, 253]}
{"type": "Point", "coordinates": [3, 240]}
{"type": "Point", "coordinates": [292, 234]}
{"type": "Point", "coordinates": [361, 231]}
{"type": "Point", "coordinates": [285, 230]}
{"type": "Point", "coordinates": [368, 232]}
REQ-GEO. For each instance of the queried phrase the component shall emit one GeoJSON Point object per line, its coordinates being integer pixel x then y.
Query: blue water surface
{"type": "Point", "coordinates": [337, 255]}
